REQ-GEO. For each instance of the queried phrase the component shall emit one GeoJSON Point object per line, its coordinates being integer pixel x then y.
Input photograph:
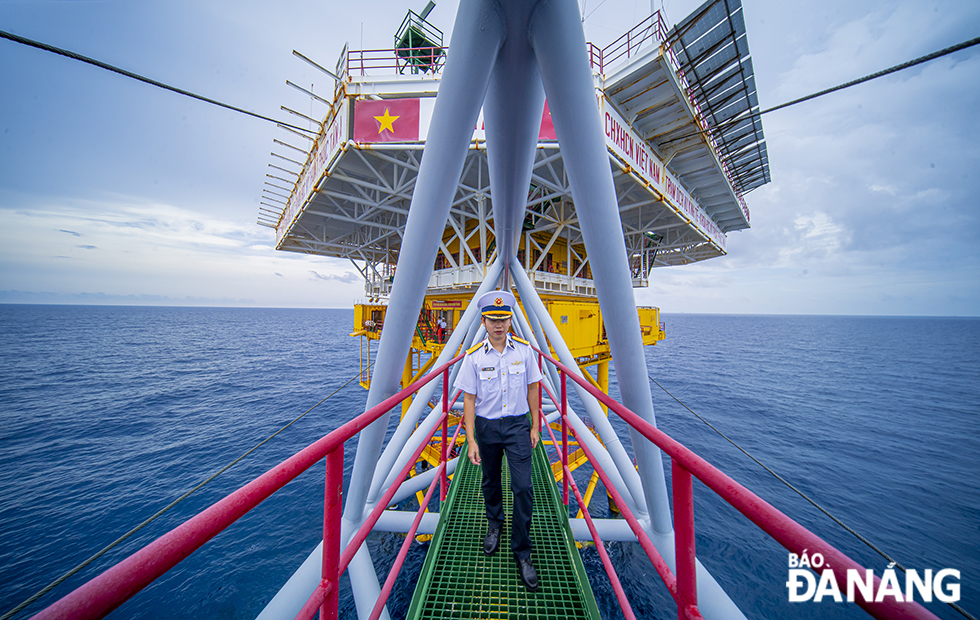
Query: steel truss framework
{"type": "Point", "coordinates": [712, 50]}
{"type": "Point", "coordinates": [359, 214]}
{"type": "Point", "coordinates": [699, 77]}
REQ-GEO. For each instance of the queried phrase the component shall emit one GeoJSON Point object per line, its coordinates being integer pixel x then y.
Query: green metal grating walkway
{"type": "Point", "coordinates": [459, 581]}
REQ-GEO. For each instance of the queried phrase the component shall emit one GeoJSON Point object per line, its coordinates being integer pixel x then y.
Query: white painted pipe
{"type": "Point", "coordinates": [394, 452]}
{"type": "Point", "coordinates": [623, 463]}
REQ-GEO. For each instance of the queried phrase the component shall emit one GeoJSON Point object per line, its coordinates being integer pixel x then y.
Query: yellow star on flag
{"type": "Point", "coordinates": [387, 121]}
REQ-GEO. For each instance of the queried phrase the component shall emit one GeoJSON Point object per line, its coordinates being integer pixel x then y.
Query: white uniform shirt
{"type": "Point", "coordinates": [499, 380]}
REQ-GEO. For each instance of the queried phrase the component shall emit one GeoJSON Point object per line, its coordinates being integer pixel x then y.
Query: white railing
{"type": "Point", "coordinates": [472, 275]}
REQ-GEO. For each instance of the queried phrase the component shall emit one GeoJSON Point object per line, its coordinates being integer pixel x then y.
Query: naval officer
{"type": "Point", "coordinates": [497, 377]}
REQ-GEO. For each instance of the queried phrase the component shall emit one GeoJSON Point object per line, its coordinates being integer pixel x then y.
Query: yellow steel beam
{"type": "Point", "coordinates": [575, 460]}
{"type": "Point", "coordinates": [589, 378]}
{"type": "Point", "coordinates": [603, 375]}
{"type": "Point", "coordinates": [406, 381]}
{"type": "Point", "coordinates": [589, 491]}
{"type": "Point", "coordinates": [424, 369]}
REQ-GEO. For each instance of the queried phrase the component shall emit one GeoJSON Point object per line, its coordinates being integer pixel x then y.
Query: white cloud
{"type": "Point", "coordinates": [815, 237]}
{"type": "Point", "coordinates": [871, 208]}
{"type": "Point", "coordinates": [157, 253]}
{"type": "Point", "coordinates": [348, 276]}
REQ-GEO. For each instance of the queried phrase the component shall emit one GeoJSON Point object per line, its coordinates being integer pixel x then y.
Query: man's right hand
{"type": "Point", "coordinates": [473, 451]}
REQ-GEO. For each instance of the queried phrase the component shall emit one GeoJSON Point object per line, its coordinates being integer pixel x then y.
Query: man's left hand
{"type": "Point", "coordinates": [535, 438]}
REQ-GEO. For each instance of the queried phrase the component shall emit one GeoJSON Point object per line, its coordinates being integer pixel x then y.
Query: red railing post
{"type": "Point", "coordinates": [624, 602]}
{"type": "Point", "coordinates": [684, 556]}
{"type": "Point", "coordinates": [564, 438]}
{"type": "Point", "coordinates": [444, 479]}
{"type": "Point", "coordinates": [332, 502]}
{"type": "Point", "coordinates": [541, 370]}
{"type": "Point", "coordinates": [544, 418]}
{"type": "Point", "coordinates": [790, 534]}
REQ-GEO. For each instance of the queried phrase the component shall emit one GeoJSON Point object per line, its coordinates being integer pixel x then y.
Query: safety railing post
{"type": "Point", "coordinates": [687, 588]}
{"type": "Point", "coordinates": [444, 481]}
{"type": "Point", "coordinates": [540, 370]}
{"type": "Point", "coordinates": [564, 438]}
{"type": "Point", "coordinates": [332, 503]}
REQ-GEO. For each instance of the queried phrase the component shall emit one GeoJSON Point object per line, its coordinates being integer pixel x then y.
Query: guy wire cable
{"type": "Point", "coordinates": [163, 510]}
{"type": "Point", "coordinates": [721, 125]}
{"type": "Point", "coordinates": [98, 63]}
{"type": "Point", "coordinates": [801, 494]}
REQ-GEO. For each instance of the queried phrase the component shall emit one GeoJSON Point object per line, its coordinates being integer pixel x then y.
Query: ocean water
{"type": "Point", "coordinates": [109, 413]}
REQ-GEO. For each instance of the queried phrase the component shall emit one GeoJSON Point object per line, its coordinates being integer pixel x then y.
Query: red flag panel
{"type": "Point", "coordinates": [386, 120]}
{"type": "Point", "coordinates": [547, 131]}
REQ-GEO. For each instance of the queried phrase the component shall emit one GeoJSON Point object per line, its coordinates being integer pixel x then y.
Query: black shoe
{"type": "Point", "coordinates": [526, 570]}
{"type": "Point", "coordinates": [492, 540]}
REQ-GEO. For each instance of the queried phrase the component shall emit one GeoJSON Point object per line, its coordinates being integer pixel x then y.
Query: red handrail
{"type": "Point", "coordinates": [379, 605]}
{"type": "Point", "coordinates": [603, 556]}
{"type": "Point", "coordinates": [644, 539]}
{"type": "Point", "coordinates": [399, 59]}
{"type": "Point", "coordinates": [107, 591]}
{"type": "Point", "coordinates": [784, 530]}
{"type": "Point", "coordinates": [652, 27]}
{"type": "Point", "coordinates": [403, 552]}
{"type": "Point", "coordinates": [335, 564]}
{"type": "Point", "coordinates": [624, 602]}
{"type": "Point", "coordinates": [112, 588]}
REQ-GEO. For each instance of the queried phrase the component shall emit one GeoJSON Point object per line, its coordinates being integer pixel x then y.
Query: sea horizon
{"type": "Point", "coordinates": [112, 412]}
{"type": "Point", "coordinates": [357, 301]}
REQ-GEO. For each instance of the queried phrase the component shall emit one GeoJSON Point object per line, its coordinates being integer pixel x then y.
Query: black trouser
{"type": "Point", "coordinates": [513, 436]}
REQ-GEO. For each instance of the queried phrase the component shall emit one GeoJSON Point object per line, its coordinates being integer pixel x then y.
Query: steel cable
{"type": "Point", "coordinates": [800, 493]}
{"type": "Point", "coordinates": [163, 510]}
{"type": "Point", "coordinates": [98, 63]}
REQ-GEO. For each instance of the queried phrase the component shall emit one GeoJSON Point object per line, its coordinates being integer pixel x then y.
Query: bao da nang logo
{"type": "Point", "coordinates": [805, 586]}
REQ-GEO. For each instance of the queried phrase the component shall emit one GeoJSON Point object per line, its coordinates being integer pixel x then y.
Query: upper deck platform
{"type": "Point", "coordinates": [679, 186]}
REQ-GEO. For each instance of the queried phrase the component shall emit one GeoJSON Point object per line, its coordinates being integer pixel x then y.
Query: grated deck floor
{"type": "Point", "coordinates": [459, 581]}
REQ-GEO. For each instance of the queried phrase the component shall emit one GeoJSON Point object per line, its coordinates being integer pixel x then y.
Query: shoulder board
{"type": "Point", "coordinates": [520, 340]}
{"type": "Point", "coordinates": [474, 347]}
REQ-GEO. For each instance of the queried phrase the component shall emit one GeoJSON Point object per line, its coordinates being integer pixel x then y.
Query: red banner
{"type": "Point", "coordinates": [386, 120]}
{"type": "Point", "coordinates": [547, 131]}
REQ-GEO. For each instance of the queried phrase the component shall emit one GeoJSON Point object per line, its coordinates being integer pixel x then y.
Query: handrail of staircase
{"type": "Point", "coordinates": [390, 59]}
{"type": "Point", "coordinates": [104, 593]}
{"type": "Point", "coordinates": [784, 530]}
{"type": "Point", "coordinates": [650, 28]}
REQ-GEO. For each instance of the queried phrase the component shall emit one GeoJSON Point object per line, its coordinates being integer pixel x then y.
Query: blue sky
{"type": "Point", "coordinates": [112, 191]}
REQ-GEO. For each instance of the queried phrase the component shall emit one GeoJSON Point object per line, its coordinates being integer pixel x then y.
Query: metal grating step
{"type": "Point", "coordinates": [459, 581]}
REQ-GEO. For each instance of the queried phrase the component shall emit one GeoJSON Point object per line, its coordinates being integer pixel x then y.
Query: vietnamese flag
{"type": "Point", "coordinates": [386, 120]}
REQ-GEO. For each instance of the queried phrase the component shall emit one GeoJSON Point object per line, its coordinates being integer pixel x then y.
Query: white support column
{"type": "Point", "coordinates": [606, 461]}
{"type": "Point", "coordinates": [399, 448]}
{"type": "Point", "coordinates": [556, 33]}
{"type": "Point", "coordinates": [609, 437]}
{"type": "Point", "coordinates": [461, 94]}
